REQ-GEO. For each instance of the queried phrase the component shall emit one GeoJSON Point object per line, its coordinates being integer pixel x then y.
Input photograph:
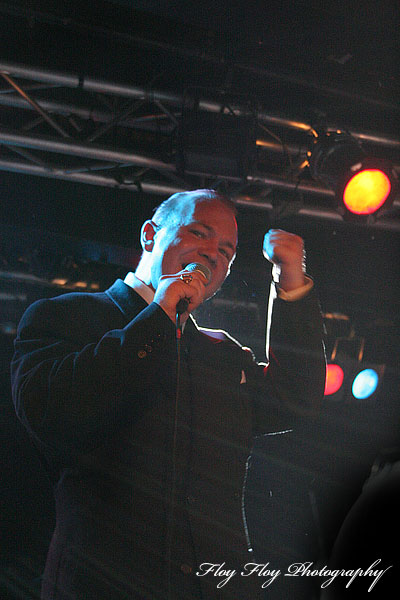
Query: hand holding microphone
{"type": "Point", "coordinates": [183, 292]}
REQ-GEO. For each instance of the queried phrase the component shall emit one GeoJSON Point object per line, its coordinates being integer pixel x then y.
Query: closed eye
{"type": "Point", "coordinates": [197, 233]}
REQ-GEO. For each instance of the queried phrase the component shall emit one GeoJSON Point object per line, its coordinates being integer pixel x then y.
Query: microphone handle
{"type": "Point", "coordinates": [182, 306]}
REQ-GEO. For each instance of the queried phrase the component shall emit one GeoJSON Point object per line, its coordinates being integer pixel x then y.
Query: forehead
{"type": "Point", "coordinates": [214, 214]}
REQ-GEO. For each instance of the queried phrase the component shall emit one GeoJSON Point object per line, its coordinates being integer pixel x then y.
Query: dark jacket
{"type": "Point", "coordinates": [94, 383]}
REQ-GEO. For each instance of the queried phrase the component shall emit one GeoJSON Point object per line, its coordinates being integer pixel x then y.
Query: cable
{"type": "Point", "coordinates": [281, 142]}
{"type": "Point", "coordinates": [172, 487]}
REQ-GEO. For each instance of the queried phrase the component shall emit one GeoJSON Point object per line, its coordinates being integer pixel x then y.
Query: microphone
{"type": "Point", "coordinates": [183, 303]}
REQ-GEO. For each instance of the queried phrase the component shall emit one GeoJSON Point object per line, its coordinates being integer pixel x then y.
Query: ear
{"type": "Point", "coordinates": [147, 233]}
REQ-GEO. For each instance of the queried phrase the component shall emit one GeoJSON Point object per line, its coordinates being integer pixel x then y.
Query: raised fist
{"type": "Point", "coordinates": [286, 251]}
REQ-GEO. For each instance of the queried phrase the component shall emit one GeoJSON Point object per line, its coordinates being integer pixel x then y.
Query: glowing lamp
{"type": "Point", "coordinates": [334, 379]}
{"type": "Point", "coordinates": [367, 191]}
{"type": "Point", "coordinates": [363, 185]}
{"type": "Point", "coordinates": [365, 384]}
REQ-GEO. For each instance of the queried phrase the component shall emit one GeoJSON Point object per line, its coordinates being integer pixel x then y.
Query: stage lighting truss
{"type": "Point", "coordinates": [364, 186]}
{"type": "Point", "coordinates": [169, 141]}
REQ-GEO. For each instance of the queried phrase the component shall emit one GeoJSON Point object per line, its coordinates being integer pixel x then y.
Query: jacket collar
{"type": "Point", "coordinates": [128, 301]}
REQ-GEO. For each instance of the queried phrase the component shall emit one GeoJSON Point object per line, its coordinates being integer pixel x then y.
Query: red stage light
{"type": "Point", "coordinates": [366, 192]}
{"type": "Point", "coordinates": [334, 379]}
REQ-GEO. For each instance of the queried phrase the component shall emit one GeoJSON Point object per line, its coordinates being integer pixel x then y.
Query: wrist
{"type": "Point", "coordinates": [171, 311]}
{"type": "Point", "coordinates": [289, 278]}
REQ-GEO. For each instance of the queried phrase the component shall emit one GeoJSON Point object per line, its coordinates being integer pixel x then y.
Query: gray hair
{"type": "Point", "coordinates": [180, 206]}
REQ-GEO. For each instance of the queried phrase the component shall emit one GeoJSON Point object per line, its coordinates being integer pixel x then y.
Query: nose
{"type": "Point", "coordinates": [209, 252]}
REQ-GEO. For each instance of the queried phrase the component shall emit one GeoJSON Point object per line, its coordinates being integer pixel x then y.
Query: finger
{"type": "Point", "coordinates": [283, 239]}
{"type": "Point", "coordinates": [195, 277]}
{"type": "Point", "coordinates": [189, 287]}
{"type": "Point", "coordinates": [194, 291]}
{"type": "Point", "coordinates": [198, 275]}
{"type": "Point", "coordinates": [283, 235]}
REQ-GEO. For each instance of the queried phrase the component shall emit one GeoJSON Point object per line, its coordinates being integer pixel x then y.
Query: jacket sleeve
{"type": "Point", "coordinates": [289, 389]}
{"type": "Point", "coordinates": [71, 394]}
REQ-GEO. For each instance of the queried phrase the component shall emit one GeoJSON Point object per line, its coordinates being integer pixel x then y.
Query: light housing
{"type": "Point", "coordinates": [220, 143]}
{"type": "Point", "coordinates": [348, 380]}
{"type": "Point", "coordinates": [363, 185]}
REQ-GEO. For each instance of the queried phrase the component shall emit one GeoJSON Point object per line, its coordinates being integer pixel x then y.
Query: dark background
{"type": "Point", "coordinates": [335, 63]}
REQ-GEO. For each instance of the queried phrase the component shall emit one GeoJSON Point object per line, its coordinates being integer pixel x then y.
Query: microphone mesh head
{"type": "Point", "coordinates": [201, 268]}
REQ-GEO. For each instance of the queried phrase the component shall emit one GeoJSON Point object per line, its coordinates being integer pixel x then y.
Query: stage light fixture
{"type": "Point", "coordinates": [349, 380]}
{"type": "Point", "coordinates": [216, 144]}
{"type": "Point", "coordinates": [365, 384]}
{"type": "Point", "coordinates": [334, 379]}
{"type": "Point", "coordinates": [363, 185]}
{"type": "Point", "coordinates": [348, 376]}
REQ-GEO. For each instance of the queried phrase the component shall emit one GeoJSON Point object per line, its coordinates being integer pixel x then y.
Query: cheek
{"type": "Point", "coordinates": [170, 247]}
{"type": "Point", "coordinates": [219, 277]}
{"type": "Point", "coordinates": [172, 256]}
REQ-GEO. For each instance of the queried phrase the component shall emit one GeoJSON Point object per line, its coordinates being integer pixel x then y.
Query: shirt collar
{"type": "Point", "coordinates": [140, 288]}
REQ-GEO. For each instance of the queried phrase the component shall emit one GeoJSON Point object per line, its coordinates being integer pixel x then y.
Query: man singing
{"type": "Point", "coordinates": [148, 455]}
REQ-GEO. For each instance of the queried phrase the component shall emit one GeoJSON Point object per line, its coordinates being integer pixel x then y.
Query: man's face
{"type": "Point", "coordinates": [208, 236]}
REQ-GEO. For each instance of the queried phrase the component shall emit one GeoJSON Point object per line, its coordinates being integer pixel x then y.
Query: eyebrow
{"type": "Point", "coordinates": [211, 229]}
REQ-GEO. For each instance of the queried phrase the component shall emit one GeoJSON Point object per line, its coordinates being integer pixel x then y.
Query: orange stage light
{"type": "Point", "coordinates": [366, 192]}
{"type": "Point", "coordinates": [363, 185]}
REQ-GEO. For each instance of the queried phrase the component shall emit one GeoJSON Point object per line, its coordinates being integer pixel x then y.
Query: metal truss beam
{"type": "Point", "coordinates": [72, 148]}
{"type": "Point", "coordinates": [166, 190]}
{"type": "Point", "coordinates": [82, 112]}
{"type": "Point", "coordinates": [106, 157]}
{"type": "Point", "coordinates": [101, 86]}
